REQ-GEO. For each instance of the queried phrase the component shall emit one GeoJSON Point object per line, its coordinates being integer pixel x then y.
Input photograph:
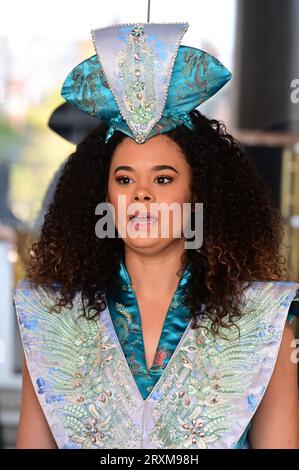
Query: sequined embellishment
{"type": "Point", "coordinates": [138, 67]}
{"type": "Point", "coordinates": [138, 77]}
{"type": "Point", "coordinates": [205, 397]}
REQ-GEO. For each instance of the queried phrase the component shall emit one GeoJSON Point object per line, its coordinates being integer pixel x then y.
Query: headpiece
{"type": "Point", "coordinates": [141, 81]}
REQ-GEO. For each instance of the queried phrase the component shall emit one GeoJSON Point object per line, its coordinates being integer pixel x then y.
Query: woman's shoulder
{"type": "Point", "coordinates": [35, 302]}
{"type": "Point", "coordinates": [44, 325]}
{"type": "Point", "coordinates": [27, 291]}
{"type": "Point", "coordinates": [28, 287]}
{"type": "Point", "coordinates": [281, 294]}
{"type": "Point", "coordinates": [273, 286]}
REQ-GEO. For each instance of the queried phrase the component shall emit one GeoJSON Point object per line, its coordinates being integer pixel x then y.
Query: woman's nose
{"type": "Point", "coordinates": [142, 195]}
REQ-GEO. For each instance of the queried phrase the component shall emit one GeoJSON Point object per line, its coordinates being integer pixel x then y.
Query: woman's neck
{"type": "Point", "coordinates": [153, 276]}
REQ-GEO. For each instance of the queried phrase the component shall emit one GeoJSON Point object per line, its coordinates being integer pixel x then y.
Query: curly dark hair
{"type": "Point", "coordinates": [243, 229]}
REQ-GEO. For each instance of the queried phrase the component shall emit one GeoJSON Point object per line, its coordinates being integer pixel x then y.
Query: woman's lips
{"type": "Point", "coordinates": [142, 222]}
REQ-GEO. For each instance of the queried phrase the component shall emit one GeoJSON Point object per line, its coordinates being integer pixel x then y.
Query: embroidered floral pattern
{"type": "Point", "coordinates": [78, 374]}
{"type": "Point", "coordinates": [138, 66]}
{"type": "Point", "coordinates": [212, 377]}
{"type": "Point", "coordinates": [205, 397]}
{"type": "Point", "coordinates": [160, 356]}
{"type": "Point", "coordinates": [135, 63]}
{"type": "Point", "coordinates": [86, 85]}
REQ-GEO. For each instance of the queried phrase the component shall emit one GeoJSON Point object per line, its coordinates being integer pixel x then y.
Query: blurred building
{"type": "Point", "coordinates": [266, 115]}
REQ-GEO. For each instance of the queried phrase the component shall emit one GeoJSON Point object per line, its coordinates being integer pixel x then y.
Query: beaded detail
{"type": "Point", "coordinates": [139, 73]}
{"type": "Point", "coordinates": [140, 97]}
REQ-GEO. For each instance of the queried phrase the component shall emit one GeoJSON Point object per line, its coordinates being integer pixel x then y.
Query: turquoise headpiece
{"type": "Point", "coordinates": [141, 81]}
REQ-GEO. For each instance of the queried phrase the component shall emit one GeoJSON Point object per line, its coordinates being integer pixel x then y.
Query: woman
{"type": "Point", "coordinates": [138, 342]}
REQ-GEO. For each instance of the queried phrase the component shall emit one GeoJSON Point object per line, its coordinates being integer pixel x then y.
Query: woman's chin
{"type": "Point", "coordinates": [149, 236]}
{"type": "Point", "coordinates": [144, 242]}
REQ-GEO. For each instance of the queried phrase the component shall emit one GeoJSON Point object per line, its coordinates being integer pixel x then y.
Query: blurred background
{"type": "Point", "coordinates": [40, 42]}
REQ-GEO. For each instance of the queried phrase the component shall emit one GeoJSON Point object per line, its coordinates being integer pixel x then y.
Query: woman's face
{"type": "Point", "coordinates": [153, 172]}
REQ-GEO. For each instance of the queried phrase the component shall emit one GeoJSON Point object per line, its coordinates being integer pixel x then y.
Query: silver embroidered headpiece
{"type": "Point", "coordinates": [141, 81]}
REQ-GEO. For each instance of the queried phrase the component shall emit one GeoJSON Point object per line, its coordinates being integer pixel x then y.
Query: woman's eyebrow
{"type": "Point", "coordinates": [154, 168]}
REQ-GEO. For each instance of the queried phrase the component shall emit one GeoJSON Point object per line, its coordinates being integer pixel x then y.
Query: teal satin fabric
{"type": "Point", "coordinates": [196, 77]}
{"type": "Point", "coordinates": [125, 314]}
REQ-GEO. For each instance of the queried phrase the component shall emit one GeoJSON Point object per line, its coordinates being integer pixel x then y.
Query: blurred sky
{"type": "Point", "coordinates": [66, 21]}
{"type": "Point", "coordinates": [41, 41]}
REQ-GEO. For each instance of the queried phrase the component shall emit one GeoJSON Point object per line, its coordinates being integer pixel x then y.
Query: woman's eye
{"type": "Point", "coordinates": [123, 179]}
{"type": "Point", "coordinates": [163, 178]}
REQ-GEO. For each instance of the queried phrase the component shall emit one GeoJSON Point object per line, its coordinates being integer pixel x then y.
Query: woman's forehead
{"type": "Point", "coordinates": [157, 150]}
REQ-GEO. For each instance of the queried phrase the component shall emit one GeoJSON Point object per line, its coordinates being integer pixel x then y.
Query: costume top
{"type": "Point", "coordinates": [202, 391]}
